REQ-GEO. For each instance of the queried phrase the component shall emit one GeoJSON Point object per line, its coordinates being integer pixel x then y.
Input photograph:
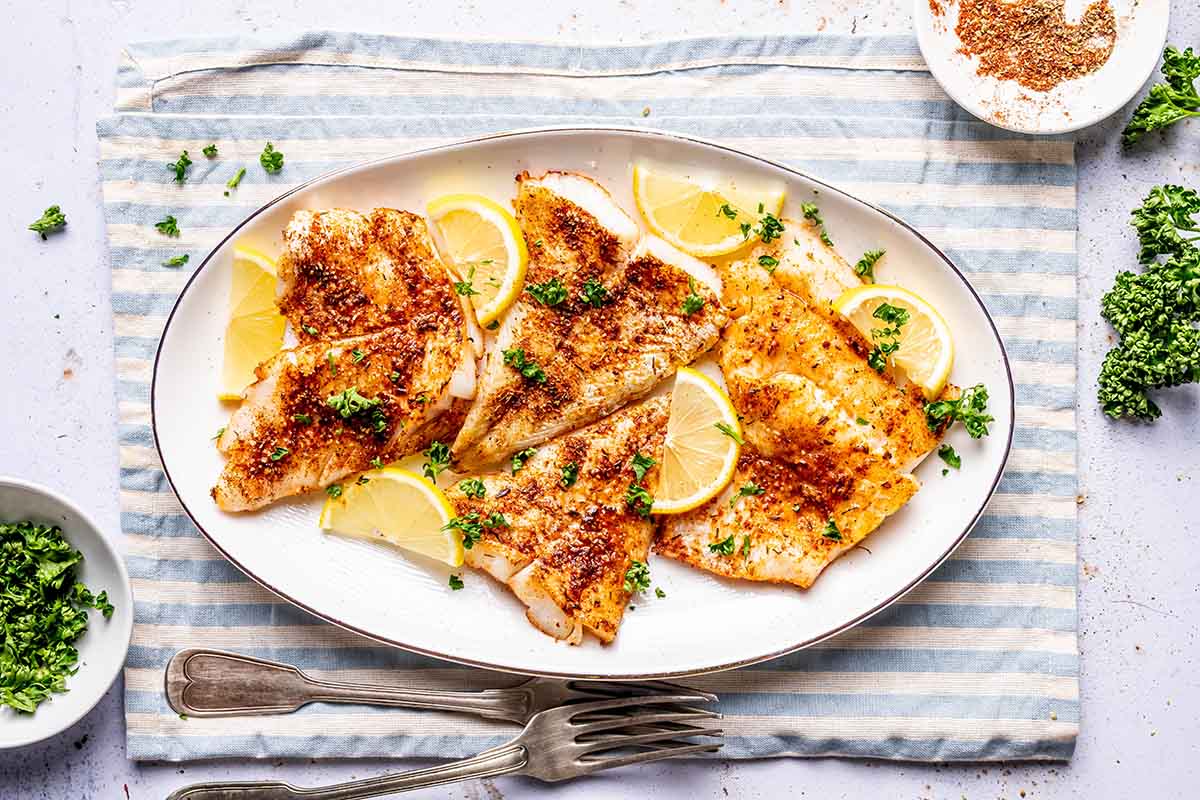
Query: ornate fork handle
{"type": "Point", "coordinates": [210, 683]}
{"type": "Point", "coordinates": [502, 760]}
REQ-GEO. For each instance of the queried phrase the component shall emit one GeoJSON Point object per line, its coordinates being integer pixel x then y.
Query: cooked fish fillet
{"type": "Point", "coordinates": [784, 348]}
{"type": "Point", "coordinates": [784, 534]}
{"type": "Point", "coordinates": [565, 550]}
{"type": "Point", "coordinates": [345, 274]}
{"type": "Point", "coordinates": [594, 358]}
{"type": "Point", "coordinates": [288, 438]}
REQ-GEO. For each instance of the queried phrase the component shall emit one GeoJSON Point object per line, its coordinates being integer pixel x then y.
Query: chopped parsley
{"type": "Point", "coordinates": [769, 263]}
{"type": "Point", "coordinates": [745, 547]}
{"type": "Point", "coordinates": [332, 363]}
{"type": "Point", "coordinates": [813, 215]}
{"type": "Point", "coordinates": [726, 211]}
{"type": "Point", "coordinates": [831, 531]}
{"type": "Point", "coordinates": [887, 338]}
{"type": "Point", "coordinates": [520, 457]}
{"type": "Point", "coordinates": [309, 329]}
{"type": "Point", "coordinates": [865, 268]}
{"type": "Point", "coordinates": [377, 462]}
{"type": "Point", "coordinates": [496, 520]}
{"type": "Point", "coordinates": [946, 453]}
{"type": "Point", "coordinates": [361, 480]}
{"type": "Point", "coordinates": [550, 293]}
{"type": "Point", "coordinates": [593, 293]}
{"type": "Point", "coordinates": [472, 487]}
{"type": "Point", "coordinates": [570, 474]}
{"type": "Point", "coordinates": [641, 465]}
{"type": "Point", "coordinates": [43, 611]}
{"type": "Point", "coordinates": [529, 368]}
{"type": "Point", "coordinates": [168, 226]}
{"type": "Point", "coordinates": [729, 431]}
{"type": "Point", "coordinates": [357, 355]}
{"type": "Point", "coordinates": [769, 228]}
{"type": "Point", "coordinates": [210, 150]}
{"type": "Point", "coordinates": [493, 325]}
{"type": "Point", "coordinates": [271, 159]}
{"type": "Point", "coordinates": [220, 431]}
{"type": "Point", "coordinates": [279, 453]}
{"type": "Point", "coordinates": [637, 577]}
{"type": "Point", "coordinates": [659, 593]}
{"type": "Point", "coordinates": [725, 547]}
{"type": "Point", "coordinates": [469, 526]}
{"type": "Point", "coordinates": [52, 220]}
{"type": "Point", "coordinates": [349, 402]}
{"type": "Point", "coordinates": [304, 419]}
{"type": "Point", "coordinates": [747, 490]}
{"type": "Point", "coordinates": [233, 182]}
{"type": "Point", "coordinates": [334, 490]}
{"type": "Point", "coordinates": [970, 409]}
{"type": "Point", "coordinates": [464, 288]}
{"type": "Point", "coordinates": [176, 261]}
{"type": "Point", "coordinates": [693, 302]}
{"type": "Point", "coordinates": [180, 166]}
{"type": "Point", "coordinates": [437, 460]}
{"type": "Point", "coordinates": [862, 421]}
{"type": "Point", "coordinates": [456, 582]}
{"type": "Point", "coordinates": [640, 500]}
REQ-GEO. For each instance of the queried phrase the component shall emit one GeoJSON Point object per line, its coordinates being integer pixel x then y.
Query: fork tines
{"type": "Point", "coordinates": [636, 729]}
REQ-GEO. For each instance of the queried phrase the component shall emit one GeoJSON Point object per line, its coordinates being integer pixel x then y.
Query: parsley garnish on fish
{"type": "Point", "coordinates": [745, 547]}
{"type": "Point", "coordinates": [529, 368]}
{"type": "Point", "coordinates": [176, 261]}
{"type": "Point", "coordinates": [456, 582]}
{"type": "Point", "coordinates": [43, 611]}
{"type": "Point", "coordinates": [970, 409]}
{"type": "Point", "coordinates": [693, 302]}
{"type": "Point", "coordinates": [168, 226]}
{"type": "Point", "coordinates": [349, 402]}
{"type": "Point", "coordinates": [865, 268]}
{"type": "Point", "coordinates": [334, 490]}
{"type": "Point", "coordinates": [570, 474]}
{"type": "Point", "coordinates": [279, 453]}
{"type": "Point", "coordinates": [813, 215]}
{"type": "Point", "coordinates": [437, 460]}
{"type": "Point", "coordinates": [862, 421]}
{"type": "Point", "coordinates": [640, 500]}
{"type": "Point", "coordinates": [550, 293]}
{"type": "Point", "coordinates": [769, 228]}
{"type": "Point", "coordinates": [493, 325]}
{"type": "Point", "coordinates": [593, 293]}
{"type": "Point", "coordinates": [233, 182]}
{"type": "Point", "coordinates": [464, 288]}
{"type": "Point", "coordinates": [309, 329]}
{"type": "Point", "coordinates": [180, 166]}
{"type": "Point", "coordinates": [473, 487]}
{"type": "Point", "coordinates": [769, 263]}
{"type": "Point", "coordinates": [271, 159]}
{"type": "Point", "coordinates": [332, 363]}
{"type": "Point", "coordinates": [210, 150]}
{"type": "Point", "coordinates": [729, 431]}
{"type": "Point", "coordinates": [304, 419]}
{"type": "Point", "coordinates": [637, 577]}
{"type": "Point", "coordinates": [747, 490]}
{"type": "Point", "coordinates": [725, 547]}
{"type": "Point", "coordinates": [469, 526]}
{"type": "Point", "coordinates": [641, 465]}
{"type": "Point", "coordinates": [377, 462]}
{"type": "Point", "coordinates": [520, 457]}
{"type": "Point", "coordinates": [831, 531]}
{"type": "Point", "coordinates": [52, 220]}
{"type": "Point", "coordinates": [357, 355]}
{"type": "Point", "coordinates": [495, 520]}
{"type": "Point", "coordinates": [946, 453]}
{"type": "Point", "coordinates": [887, 338]}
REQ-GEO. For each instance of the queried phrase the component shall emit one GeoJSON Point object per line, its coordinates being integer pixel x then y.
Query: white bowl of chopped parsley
{"type": "Point", "coordinates": [66, 613]}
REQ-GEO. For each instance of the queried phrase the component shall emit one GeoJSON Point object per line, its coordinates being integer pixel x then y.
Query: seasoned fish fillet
{"type": "Point", "coordinates": [298, 430]}
{"type": "Point", "coordinates": [592, 357]}
{"type": "Point", "coordinates": [564, 551]}
{"type": "Point", "coordinates": [344, 274]}
{"type": "Point", "coordinates": [783, 535]}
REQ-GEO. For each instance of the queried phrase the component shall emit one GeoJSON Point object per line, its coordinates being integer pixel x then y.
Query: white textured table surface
{"type": "Point", "coordinates": [1139, 567]}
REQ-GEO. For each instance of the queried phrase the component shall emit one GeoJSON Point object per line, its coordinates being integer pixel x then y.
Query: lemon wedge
{"type": "Point", "coordinates": [702, 444]}
{"type": "Point", "coordinates": [926, 352]}
{"type": "Point", "coordinates": [486, 250]}
{"type": "Point", "coordinates": [255, 329]}
{"type": "Point", "coordinates": [399, 507]}
{"type": "Point", "coordinates": [700, 218]}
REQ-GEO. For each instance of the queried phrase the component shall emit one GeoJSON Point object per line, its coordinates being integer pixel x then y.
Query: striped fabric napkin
{"type": "Point", "coordinates": [980, 662]}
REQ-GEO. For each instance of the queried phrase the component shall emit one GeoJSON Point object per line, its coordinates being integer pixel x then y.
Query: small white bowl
{"type": "Point", "coordinates": [103, 645]}
{"type": "Point", "coordinates": [1141, 33]}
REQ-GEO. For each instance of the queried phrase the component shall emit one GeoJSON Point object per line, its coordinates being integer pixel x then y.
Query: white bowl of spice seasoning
{"type": "Point", "coordinates": [66, 613]}
{"type": "Point", "coordinates": [1041, 66]}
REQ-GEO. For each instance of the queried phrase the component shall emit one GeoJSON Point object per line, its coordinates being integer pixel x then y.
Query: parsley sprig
{"type": "Point", "coordinates": [887, 338]}
{"type": "Point", "coordinates": [180, 166]}
{"type": "Point", "coordinates": [530, 369]}
{"type": "Point", "coordinates": [865, 268]}
{"type": "Point", "coordinates": [813, 215]}
{"type": "Point", "coordinates": [1169, 102]}
{"type": "Point", "coordinates": [271, 159]}
{"type": "Point", "coordinates": [970, 409]}
{"type": "Point", "coordinates": [52, 220]}
{"type": "Point", "coordinates": [693, 302]}
{"type": "Point", "coordinates": [550, 293]}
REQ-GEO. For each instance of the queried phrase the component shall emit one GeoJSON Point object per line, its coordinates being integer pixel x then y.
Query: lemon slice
{"type": "Point", "coordinates": [399, 507]}
{"type": "Point", "coordinates": [486, 250]}
{"type": "Point", "coordinates": [926, 351]}
{"type": "Point", "coordinates": [255, 329]}
{"type": "Point", "coordinates": [701, 219]}
{"type": "Point", "coordinates": [698, 456]}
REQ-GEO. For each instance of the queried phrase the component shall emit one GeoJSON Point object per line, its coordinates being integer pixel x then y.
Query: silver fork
{"type": "Point", "coordinates": [215, 683]}
{"type": "Point", "coordinates": [556, 745]}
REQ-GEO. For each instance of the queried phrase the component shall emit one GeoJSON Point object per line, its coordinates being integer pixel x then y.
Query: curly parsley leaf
{"type": "Point", "coordinates": [970, 409]}
{"type": "Point", "coordinates": [1168, 102]}
{"type": "Point", "coordinates": [271, 159]}
{"type": "Point", "coordinates": [528, 368]}
{"type": "Point", "coordinates": [550, 293]}
{"type": "Point", "coordinates": [865, 268]}
{"type": "Point", "coordinates": [637, 577]}
{"type": "Point", "coordinates": [180, 166]}
{"type": "Point", "coordinates": [52, 220]}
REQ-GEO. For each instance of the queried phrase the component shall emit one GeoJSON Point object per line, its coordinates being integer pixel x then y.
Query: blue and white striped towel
{"type": "Point", "coordinates": [980, 662]}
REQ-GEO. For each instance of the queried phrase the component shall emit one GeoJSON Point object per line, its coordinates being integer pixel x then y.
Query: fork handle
{"type": "Point", "coordinates": [503, 760]}
{"type": "Point", "coordinates": [217, 683]}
